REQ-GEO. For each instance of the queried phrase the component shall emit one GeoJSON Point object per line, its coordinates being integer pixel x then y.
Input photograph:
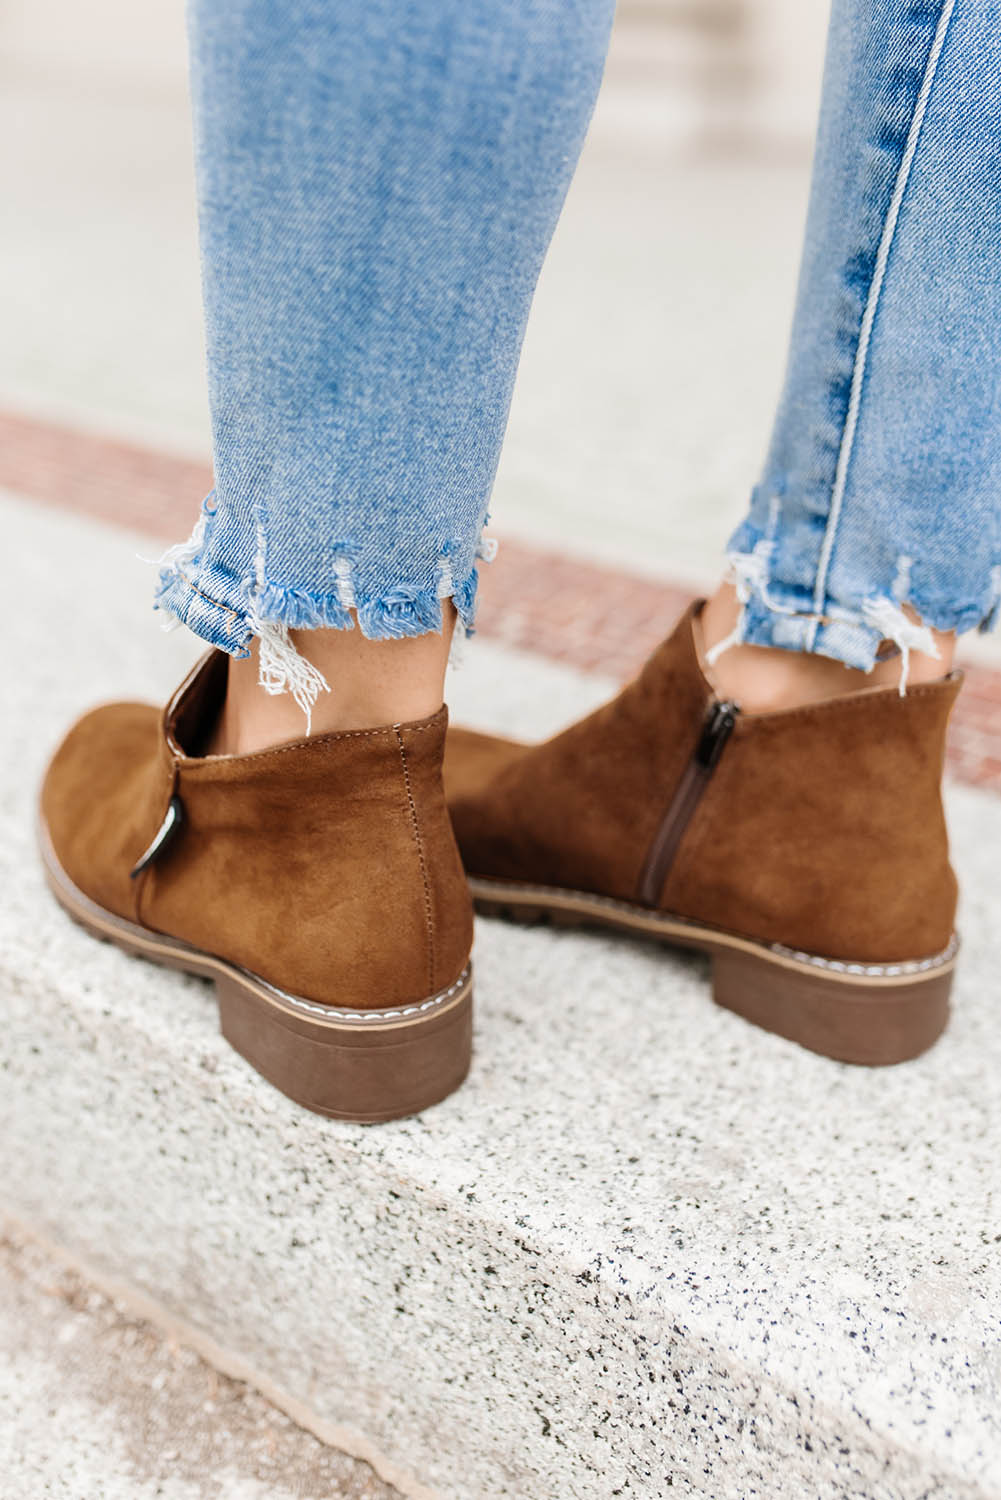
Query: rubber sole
{"type": "Point", "coordinates": [364, 1066]}
{"type": "Point", "coordinates": [871, 1014]}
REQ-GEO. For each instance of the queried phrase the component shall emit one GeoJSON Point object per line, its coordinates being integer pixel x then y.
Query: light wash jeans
{"type": "Point", "coordinates": [379, 181]}
{"type": "Point", "coordinates": [883, 481]}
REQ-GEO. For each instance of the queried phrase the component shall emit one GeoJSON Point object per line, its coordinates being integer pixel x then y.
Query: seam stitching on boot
{"type": "Point", "coordinates": [376, 1016]}
{"type": "Point", "coordinates": [316, 743]}
{"type": "Point", "coordinates": [418, 840]}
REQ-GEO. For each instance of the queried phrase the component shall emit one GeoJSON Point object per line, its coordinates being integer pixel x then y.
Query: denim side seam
{"type": "Point", "coordinates": [770, 559]}
{"type": "Point", "coordinates": [869, 318]}
{"type": "Point", "coordinates": [183, 599]}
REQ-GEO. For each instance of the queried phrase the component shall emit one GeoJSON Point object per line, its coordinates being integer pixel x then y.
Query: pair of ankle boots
{"type": "Point", "coordinates": [327, 886]}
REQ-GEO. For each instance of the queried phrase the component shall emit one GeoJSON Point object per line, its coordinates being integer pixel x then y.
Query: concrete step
{"type": "Point", "coordinates": [98, 1403]}
{"type": "Point", "coordinates": [645, 1250]}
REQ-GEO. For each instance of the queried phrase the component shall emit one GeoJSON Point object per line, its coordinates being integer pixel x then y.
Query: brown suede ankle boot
{"type": "Point", "coordinates": [805, 850]}
{"type": "Point", "coordinates": [318, 884]}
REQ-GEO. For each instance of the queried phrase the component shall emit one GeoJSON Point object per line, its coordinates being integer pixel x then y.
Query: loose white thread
{"type": "Point", "coordinates": [901, 585]}
{"type": "Point", "coordinates": [177, 557]}
{"type": "Point", "coordinates": [446, 583]}
{"type": "Point", "coordinates": [282, 669]}
{"type": "Point", "coordinates": [345, 587]}
{"type": "Point", "coordinates": [457, 650]}
{"type": "Point", "coordinates": [446, 588]}
{"type": "Point", "coordinates": [750, 576]}
{"type": "Point", "coordinates": [895, 625]}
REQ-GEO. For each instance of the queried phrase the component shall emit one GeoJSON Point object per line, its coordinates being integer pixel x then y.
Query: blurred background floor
{"type": "Point", "coordinates": [655, 349]}
{"type": "Point", "coordinates": [656, 345]}
{"type": "Point", "coordinates": [657, 339]}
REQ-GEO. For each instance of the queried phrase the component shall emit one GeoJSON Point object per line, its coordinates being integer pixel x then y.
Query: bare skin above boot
{"type": "Point", "coordinates": [317, 883]}
{"type": "Point", "coordinates": [805, 850]}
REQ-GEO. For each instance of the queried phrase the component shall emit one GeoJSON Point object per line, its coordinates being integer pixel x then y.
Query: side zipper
{"type": "Point", "coordinates": [716, 731]}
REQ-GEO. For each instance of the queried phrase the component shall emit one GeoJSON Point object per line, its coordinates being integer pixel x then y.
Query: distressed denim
{"type": "Point", "coordinates": [378, 184]}
{"type": "Point", "coordinates": [882, 485]}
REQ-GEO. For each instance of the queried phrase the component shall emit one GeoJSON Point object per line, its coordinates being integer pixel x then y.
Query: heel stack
{"type": "Point", "coordinates": [377, 1067]}
{"type": "Point", "coordinates": [869, 1020]}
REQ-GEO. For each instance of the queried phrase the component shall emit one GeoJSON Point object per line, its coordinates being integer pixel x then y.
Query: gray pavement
{"type": "Point", "coordinates": [97, 1403]}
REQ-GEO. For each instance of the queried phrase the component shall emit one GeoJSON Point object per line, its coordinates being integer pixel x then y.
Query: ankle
{"type": "Point", "coordinates": [370, 683]}
{"type": "Point", "coordinates": [765, 679]}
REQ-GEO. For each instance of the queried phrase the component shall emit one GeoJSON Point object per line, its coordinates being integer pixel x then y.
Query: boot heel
{"type": "Point", "coordinates": [348, 1065]}
{"type": "Point", "coordinates": [870, 1020]}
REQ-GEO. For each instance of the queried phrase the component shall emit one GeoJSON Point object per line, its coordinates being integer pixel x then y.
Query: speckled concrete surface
{"type": "Point", "coordinates": [97, 1404]}
{"type": "Point", "coordinates": [645, 1250]}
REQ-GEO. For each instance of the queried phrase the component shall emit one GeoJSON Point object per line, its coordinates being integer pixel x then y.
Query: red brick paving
{"type": "Point", "coordinates": [591, 617]}
{"type": "Point", "coordinates": [594, 618]}
{"type": "Point", "coordinates": [103, 477]}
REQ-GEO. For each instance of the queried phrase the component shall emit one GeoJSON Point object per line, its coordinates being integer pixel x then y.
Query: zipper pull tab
{"type": "Point", "coordinates": [718, 727]}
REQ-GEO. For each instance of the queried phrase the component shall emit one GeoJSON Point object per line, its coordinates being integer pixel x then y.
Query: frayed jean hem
{"type": "Point", "coordinates": [778, 614]}
{"type": "Point", "coordinates": [229, 610]}
{"type": "Point", "coordinates": [400, 612]}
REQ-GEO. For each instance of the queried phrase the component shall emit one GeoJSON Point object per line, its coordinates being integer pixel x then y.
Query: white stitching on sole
{"type": "Point", "coordinates": [329, 1013]}
{"type": "Point", "coordinates": [873, 971]}
{"type": "Point", "coordinates": [498, 890]}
